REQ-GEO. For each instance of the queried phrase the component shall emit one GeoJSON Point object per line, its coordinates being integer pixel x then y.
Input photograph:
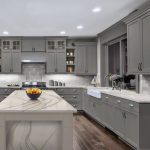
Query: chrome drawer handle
{"type": "Point", "coordinates": [131, 105]}
{"type": "Point", "coordinates": [118, 101]}
{"type": "Point", "coordinates": [61, 90]}
{"type": "Point", "coordinates": [107, 97]}
{"type": "Point", "coordinates": [74, 97]}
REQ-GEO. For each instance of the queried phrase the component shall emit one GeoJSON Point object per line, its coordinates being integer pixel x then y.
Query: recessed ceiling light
{"type": "Point", "coordinates": [5, 32]}
{"type": "Point", "coordinates": [96, 9]}
{"type": "Point", "coordinates": [62, 32]}
{"type": "Point", "coordinates": [80, 27]}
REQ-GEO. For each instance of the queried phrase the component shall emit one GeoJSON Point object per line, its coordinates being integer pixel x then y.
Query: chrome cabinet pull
{"type": "Point", "coordinates": [131, 105]}
{"type": "Point", "coordinates": [74, 97]}
{"type": "Point", "coordinates": [118, 101]}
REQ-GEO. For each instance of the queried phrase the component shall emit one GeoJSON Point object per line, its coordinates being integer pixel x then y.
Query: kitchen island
{"type": "Point", "coordinates": [45, 124]}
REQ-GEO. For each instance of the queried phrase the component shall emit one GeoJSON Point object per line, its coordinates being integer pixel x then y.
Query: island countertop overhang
{"type": "Point", "coordinates": [48, 102]}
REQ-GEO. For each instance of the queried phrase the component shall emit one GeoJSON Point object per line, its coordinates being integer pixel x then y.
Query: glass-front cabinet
{"type": "Point", "coordinates": [53, 45]}
{"type": "Point", "coordinates": [8, 45]}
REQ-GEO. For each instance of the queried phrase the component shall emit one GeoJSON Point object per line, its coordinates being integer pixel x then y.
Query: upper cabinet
{"type": "Point", "coordinates": [138, 32]}
{"type": "Point", "coordinates": [11, 56]}
{"type": "Point", "coordinates": [134, 46]}
{"type": "Point", "coordinates": [56, 56]}
{"type": "Point", "coordinates": [86, 59]}
{"type": "Point", "coordinates": [145, 20]}
{"type": "Point", "coordinates": [33, 45]}
{"type": "Point", "coordinates": [53, 45]}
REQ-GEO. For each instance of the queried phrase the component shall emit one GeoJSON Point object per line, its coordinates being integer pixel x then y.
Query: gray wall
{"type": "Point", "coordinates": [117, 30]}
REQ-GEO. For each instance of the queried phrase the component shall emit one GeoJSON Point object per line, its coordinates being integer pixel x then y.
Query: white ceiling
{"type": "Point", "coordinates": [49, 17]}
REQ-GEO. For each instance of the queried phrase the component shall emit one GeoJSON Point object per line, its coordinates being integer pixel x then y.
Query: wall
{"type": "Point", "coordinates": [117, 30]}
{"type": "Point", "coordinates": [69, 79]}
{"type": "Point", "coordinates": [145, 84]}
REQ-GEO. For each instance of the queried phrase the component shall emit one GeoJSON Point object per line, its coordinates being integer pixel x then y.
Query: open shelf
{"type": "Point", "coordinates": [70, 59]}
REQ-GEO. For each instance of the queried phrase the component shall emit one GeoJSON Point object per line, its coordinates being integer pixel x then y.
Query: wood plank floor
{"type": "Point", "coordinates": [88, 135]}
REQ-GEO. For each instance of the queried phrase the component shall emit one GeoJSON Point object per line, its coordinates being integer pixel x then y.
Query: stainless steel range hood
{"type": "Point", "coordinates": [32, 61]}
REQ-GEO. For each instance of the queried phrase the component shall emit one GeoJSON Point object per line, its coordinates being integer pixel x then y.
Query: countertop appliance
{"type": "Point", "coordinates": [32, 84]}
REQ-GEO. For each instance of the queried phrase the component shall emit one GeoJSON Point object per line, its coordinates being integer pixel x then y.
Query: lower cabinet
{"type": "Point", "coordinates": [131, 128]}
{"type": "Point", "coordinates": [119, 122]}
{"type": "Point", "coordinates": [72, 95]}
{"type": "Point", "coordinates": [117, 117]}
{"type": "Point", "coordinates": [4, 92]}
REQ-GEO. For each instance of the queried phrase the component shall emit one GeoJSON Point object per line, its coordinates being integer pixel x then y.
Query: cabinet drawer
{"type": "Point", "coordinates": [68, 91]}
{"type": "Point", "coordinates": [6, 91]}
{"type": "Point", "coordinates": [121, 103]}
{"type": "Point", "coordinates": [74, 100]}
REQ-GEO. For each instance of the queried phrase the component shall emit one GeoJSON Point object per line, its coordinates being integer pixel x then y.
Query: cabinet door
{"type": "Point", "coordinates": [6, 62]}
{"type": "Point", "coordinates": [85, 101]}
{"type": "Point", "coordinates": [61, 62]}
{"type": "Point", "coordinates": [81, 59]}
{"type": "Point", "coordinates": [131, 128]}
{"type": "Point", "coordinates": [27, 45]}
{"type": "Point", "coordinates": [91, 60]}
{"type": "Point", "coordinates": [39, 45]}
{"type": "Point", "coordinates": [100, 112]}
{"type": "Point", "coordinates": [134, 46]}
{"type": "Point", "coordinates": [51, 62]}
{"type": "Point", "coordinates": [6, 45]}
{"type": "Point", "coordinates": [119, 122]}
{"type": "Point", "coordinates": [16, 46]}
{"type": "Point", "coordinates": [146, 43]}
{"type": "Point", "coordinates": [16, 62]}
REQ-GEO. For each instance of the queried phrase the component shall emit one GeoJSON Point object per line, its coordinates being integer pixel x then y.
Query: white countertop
{"type": "Point", "coordinates": [49, 101]}
{"type": "Point", "coordinates": [126, 94]}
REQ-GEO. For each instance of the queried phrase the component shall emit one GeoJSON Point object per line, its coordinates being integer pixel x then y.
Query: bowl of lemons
{"type": "Point", "coordinates": [33, 93]}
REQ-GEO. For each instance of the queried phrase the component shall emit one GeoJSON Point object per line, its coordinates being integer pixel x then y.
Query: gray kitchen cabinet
{"type": "Point", "coordinates": [4, 92]}
{"type": "Point", "coordinates": [51, 62]}
{"type": "Point", "coordinates": [86, 59]}
{"type": "Point", "coordinates": [131, 128]}
{"type": "Point", "coordinates": [55, 44]}
{"type": "Point", "coordinates": [56, 62]}
{"type": "Point", "coordinates": [72, 95]}
{"type": "Point", "coordinates": [16, 62]}
{"type": "Point", "coordinates": [145, 43]}
{"type": "Point", "coordinates": [33, 45]}
{"type": "Point", "coordinates": [91, 59]}
{"type": "Point", "coordinates": [86, 101]}
{"type": "Point", "coordinates": [138, 32]}
{"type": "Point", "coordinates": [100, 112]}
{"type": "Point", "coordinates": [81, 60]}
{"type": "Point", "coordinates": [61, 61]}
{"type": "Point", "coordinates": [119, 122]}
{"type": "Point", "coordinates": [11, 56]}
{"type": "Point", "coordinates": [134, 46]}
{"type": "Point", "coordinates": [118, 114]}
{"type": "Point", "coordinates": [6, 62]}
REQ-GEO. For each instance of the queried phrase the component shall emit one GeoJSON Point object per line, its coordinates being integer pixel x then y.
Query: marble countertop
{"type": "Point", "coordinates": [49, 101]}
{"type": "Point", "coordinates": [126, 94]}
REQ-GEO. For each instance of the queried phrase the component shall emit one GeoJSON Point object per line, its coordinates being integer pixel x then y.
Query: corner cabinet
{"type": "Point", "coordinates": [138, 32]}
{"type": "Point", "coordinates": [11, 56]}
{"type": "Point", "coordinates": [86, 59]}
{"type": "Point", "coordinates": [56, 56]}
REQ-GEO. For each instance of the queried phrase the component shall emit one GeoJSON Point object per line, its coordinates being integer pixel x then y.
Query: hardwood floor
{"type": "Point", "coordinates": [88, 135]}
